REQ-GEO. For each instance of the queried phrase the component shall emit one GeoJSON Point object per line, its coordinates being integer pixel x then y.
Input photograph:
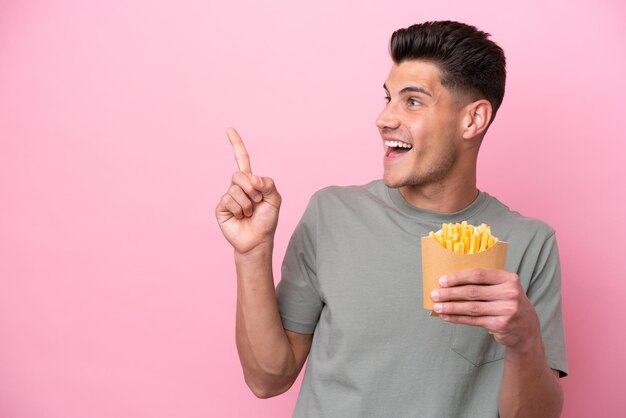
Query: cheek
{"type": "Point", "coordinates": [424, 136]}
{"type": "Point", "coordinates": [437, 148]}
{"type": "Point", "coordinates": [419, 132]}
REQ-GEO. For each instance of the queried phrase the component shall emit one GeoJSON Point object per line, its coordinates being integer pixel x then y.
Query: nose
{"type": "Point", "coordinates": [388, 118]}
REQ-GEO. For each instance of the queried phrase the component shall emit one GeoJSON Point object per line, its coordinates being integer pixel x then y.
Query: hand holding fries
{"type": "Point", "coordinates": [470, 286]}
{"type": "Point", "coordinates": [492, 299]}
{"type": "Point", "coordinates": [457, 247]}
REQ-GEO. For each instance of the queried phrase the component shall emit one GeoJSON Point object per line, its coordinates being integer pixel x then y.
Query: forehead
{"type": "Point", "coordinates": [415, 73]}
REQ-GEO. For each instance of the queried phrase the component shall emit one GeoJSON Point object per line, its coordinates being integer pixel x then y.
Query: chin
{"type": "Point", "coordinates": [393, 182]}
{"type": "Point", "coordinates": [390, 184]}
{"type": "Point", "coordinates": [396, 182]}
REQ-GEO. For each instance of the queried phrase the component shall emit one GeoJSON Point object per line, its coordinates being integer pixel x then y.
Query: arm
{"type": "Point", "coordinates": [247, 214]}
{"type": "Point", "coordinates": [495, 300]}
{"type": "Point", "coordinates": [271, 357]}
{"type": "Point", "coordinates": [529, 387]}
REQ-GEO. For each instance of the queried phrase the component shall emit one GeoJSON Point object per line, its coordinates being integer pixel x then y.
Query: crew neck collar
{"type": "Point", "coordinates": [438, 217]}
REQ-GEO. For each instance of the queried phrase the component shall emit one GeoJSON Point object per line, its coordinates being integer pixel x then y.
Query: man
{"type": "Point", "coordinates": [351, 277]}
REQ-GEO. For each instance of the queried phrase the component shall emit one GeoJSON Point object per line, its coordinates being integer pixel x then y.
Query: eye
{"type": "Point", "coordinates": [414, 102]}
{"type": "Point", "coordinates": [387, 99]}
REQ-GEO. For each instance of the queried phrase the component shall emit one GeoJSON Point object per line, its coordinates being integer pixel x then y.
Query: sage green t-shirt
{"type": "Point", "coordinates": [352, 277]}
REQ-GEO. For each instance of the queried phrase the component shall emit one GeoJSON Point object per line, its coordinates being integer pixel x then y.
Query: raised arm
{"type": "Point", "coordinates": [247, 214]}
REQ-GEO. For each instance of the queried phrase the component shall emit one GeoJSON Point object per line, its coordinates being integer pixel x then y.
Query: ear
{"type": "Point", "coordinates": [477, 116]}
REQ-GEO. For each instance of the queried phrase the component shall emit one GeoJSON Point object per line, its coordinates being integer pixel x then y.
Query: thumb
{"type": "Point", "coordinates": [267, 187]}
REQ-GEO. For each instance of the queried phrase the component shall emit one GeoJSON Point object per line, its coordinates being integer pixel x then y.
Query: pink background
{"type": "Point", "coordinates": [117, 291]}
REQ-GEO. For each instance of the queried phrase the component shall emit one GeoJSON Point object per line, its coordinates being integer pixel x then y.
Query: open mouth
{"type": "Point", "coordinates": [396, 148]}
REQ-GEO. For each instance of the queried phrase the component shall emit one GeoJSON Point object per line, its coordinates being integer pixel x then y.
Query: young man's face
{"type": "Point", "coordinates": [422, 117]}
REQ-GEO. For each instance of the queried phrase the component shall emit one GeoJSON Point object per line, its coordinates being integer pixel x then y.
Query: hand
{"type": "Point", "coordinates": [492, 299]}
{"type": "Point", "coordinates": [248, 212]}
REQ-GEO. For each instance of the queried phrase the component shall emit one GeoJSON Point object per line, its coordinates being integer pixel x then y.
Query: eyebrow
{"type": "Point", "coordinates": [411, 89]}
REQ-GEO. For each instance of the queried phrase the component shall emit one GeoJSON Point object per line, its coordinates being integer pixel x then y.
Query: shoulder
{"type": "Point", "coordinates": [510, 222]}
{"type": "Point", "coordinates": [350, 204]}
{"type": "Point", "coordinates": [342, 195]}
{"type": "Point", "coordinates": [531, 243]}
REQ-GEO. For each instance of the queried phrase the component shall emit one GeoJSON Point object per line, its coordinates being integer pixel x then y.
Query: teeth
{"type": "Point", "coordinates": [397, 144]}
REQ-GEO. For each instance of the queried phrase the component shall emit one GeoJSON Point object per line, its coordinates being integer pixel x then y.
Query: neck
{"type": "Point", "coordinates": [444, 197]}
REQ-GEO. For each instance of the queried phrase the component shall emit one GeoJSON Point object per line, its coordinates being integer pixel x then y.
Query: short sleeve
{"type": "Point", "coordinates": [299, 301]}
{"type": "Point", "coordinates": [544, 292]}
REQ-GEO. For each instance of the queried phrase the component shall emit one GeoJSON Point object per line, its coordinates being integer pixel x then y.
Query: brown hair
{"type": "Point", "coordinates": [470, 64]}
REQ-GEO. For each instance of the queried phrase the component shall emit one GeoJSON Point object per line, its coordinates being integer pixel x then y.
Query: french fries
{"type": "Point", "coordinates": [463, 238]}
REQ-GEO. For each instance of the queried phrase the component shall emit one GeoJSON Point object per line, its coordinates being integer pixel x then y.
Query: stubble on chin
{"type": "Point", "coordinates": [434, 175]}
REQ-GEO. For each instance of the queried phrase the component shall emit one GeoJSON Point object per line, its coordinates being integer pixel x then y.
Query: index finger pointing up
{"type": "Point", "coordinates": [241, 155]}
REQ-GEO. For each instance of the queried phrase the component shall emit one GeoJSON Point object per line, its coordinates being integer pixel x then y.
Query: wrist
{"type": "Point", "coordinates": [526, 348]}
{"type": "Point", "coordinates": [259, 251]}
